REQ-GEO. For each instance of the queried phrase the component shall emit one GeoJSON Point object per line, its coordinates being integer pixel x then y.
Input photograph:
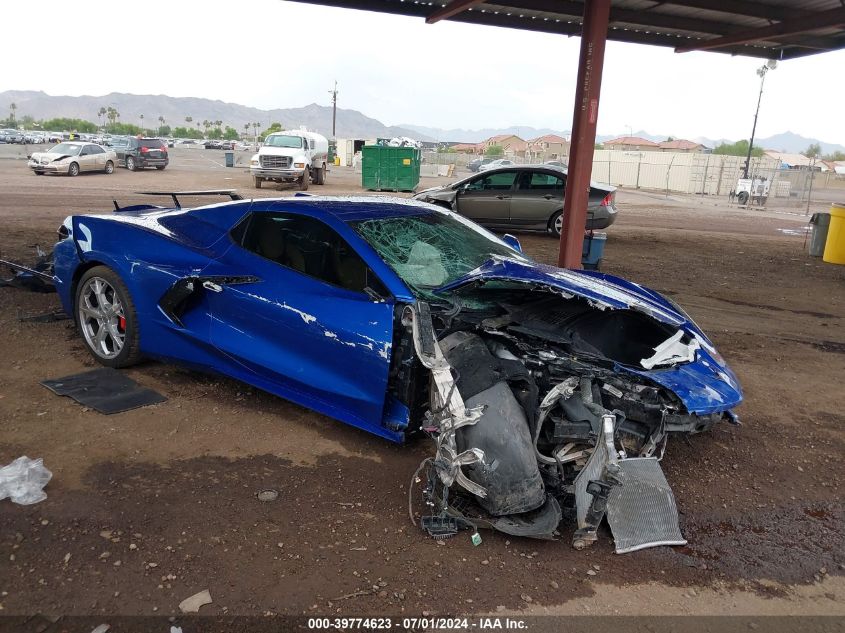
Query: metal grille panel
{"type": "Point", "coordinates": [275, 162]}
{"type": "Point", "coordinates": [642, 511]}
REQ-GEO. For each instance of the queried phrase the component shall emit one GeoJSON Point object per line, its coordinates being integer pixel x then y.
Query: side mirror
{"type": "Point", "coordinates": [512, 241]}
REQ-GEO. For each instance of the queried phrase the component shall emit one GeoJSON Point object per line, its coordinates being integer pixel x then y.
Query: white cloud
{"type": "Point", "coordinates": [271, 53]}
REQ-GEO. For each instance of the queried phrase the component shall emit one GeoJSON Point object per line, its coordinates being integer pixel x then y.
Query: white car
{"type": "Point", "coordinates": [73, 157]}
{"type": "Point", "coordinates": [499, 162]}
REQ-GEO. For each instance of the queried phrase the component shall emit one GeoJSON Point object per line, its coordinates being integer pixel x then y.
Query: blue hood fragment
{"type": "Point", "coordinates": [705, 385]}
{"type": "Point", "coordinates": [604, 291]}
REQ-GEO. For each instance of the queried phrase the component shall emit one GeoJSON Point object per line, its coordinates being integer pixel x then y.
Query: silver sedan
{"type": "Point", "coordinates": [72, 158]}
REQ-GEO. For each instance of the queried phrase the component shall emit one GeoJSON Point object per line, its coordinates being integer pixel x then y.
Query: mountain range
{"type": "Point", "coordinates": [317, 118]}
{"type": "Point", "coordinates": [350, 123]}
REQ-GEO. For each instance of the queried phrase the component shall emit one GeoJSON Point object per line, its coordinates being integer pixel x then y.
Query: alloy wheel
{"type": "Point", "coordinates": [101, 318]}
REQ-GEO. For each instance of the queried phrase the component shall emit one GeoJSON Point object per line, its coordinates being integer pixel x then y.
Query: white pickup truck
{"type": "Point", "coordinates": [291, 156]}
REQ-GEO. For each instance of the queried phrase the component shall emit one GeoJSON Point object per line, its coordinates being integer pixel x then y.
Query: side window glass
{"type": "Point", "coordinates": [307, 246]}
{"type": "Point", "coordinates": [545, 182]}
{"type": "Point", "coordinates": [475, 185]}
{"type": "Point", "coordinates": [96, 149]}
{"type": "Point", "coordinates": [312, 144]}
{"type": "Point", "coordinates": [500, 181]}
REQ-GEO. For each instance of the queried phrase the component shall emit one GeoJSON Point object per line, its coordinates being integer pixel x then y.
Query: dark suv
{"type": "Point", "coordinates": [142, 152]}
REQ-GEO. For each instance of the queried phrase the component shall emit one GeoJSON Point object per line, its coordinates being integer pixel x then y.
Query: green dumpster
{"type": "Point", "coordinates": [390, 168]}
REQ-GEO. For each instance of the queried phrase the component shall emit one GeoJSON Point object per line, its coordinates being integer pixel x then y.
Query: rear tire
{"type": "Point", "coordinates": [38, 173]}
{"type": "Point", "coordinates": [320, 176]}
{"type": "Point", "coordinates": [109, 167]}
{"type": "Point", "coordinates": [305, 180]}
{"type": "Point", "coordinates": [742, 197]}
{"type": "Point", "coordinates": [256, 180]}
{"type": "Point", "coordinates": [556, 223]}
{"type": "Point", "coordinates": [73, 169]}
{"type": "Point", "coordinates": [130, 164]}
{"type": "Point", "coordinates": [105, 316]}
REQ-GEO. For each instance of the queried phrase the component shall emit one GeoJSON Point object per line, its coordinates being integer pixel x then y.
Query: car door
{"type": "Point", "coordinates": [86, 159]}
{"type": "Point", "coordinates": [98, 157]}
{"type": "Point", "coordinates": [538, 195]}
{"type": "Point", "coordinates": [304, 317]}
{"type": "Point", "coordinates": [486, 199]}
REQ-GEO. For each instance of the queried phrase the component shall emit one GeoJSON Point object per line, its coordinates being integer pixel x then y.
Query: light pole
{"type": "Point", "coordinates": [333, 93]}
{"type": "Point", "coordinates": [761, 72]}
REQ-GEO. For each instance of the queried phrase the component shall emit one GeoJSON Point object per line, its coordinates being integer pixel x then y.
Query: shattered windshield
{"type": "Point", "coordinates": [66, 149]}
{"type": "Point", "coordinates": [283, 141]}
{"type": "Point", "coordinates": [431, 250]}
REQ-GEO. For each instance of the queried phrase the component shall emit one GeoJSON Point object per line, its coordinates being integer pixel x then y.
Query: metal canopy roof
{"type": "Point", "coordinates": [771, 29]}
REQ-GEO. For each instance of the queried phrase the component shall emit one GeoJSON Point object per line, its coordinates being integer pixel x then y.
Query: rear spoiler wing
{"type": "Point", "coordinates": [232, 193]}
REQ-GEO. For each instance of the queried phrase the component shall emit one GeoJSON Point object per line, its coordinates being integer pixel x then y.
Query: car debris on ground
{"type": "Point", "coordinates": [194, 603]}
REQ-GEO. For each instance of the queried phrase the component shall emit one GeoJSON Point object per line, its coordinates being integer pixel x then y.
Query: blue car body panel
{"type": "Point", "coordinates": [324, 347]}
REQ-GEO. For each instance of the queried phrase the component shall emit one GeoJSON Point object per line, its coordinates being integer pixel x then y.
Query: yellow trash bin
{"type": "Point", "coordinates": [834, 248]}
{"type": "Point", "coordinates": [337, 161]}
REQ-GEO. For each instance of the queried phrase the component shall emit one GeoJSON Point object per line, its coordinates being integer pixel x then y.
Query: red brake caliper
{"type": "Point", "coordinates": [121, 323]}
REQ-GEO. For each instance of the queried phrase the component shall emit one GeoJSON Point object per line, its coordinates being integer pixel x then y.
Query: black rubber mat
{"type": "Point", "coordinates": [105, 390]}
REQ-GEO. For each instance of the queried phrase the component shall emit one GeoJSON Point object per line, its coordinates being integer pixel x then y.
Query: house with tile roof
{"type": "Point", "coordinates": [547, 147]}
{"type": "Point", "coordinates": [682, 145]}
{"type": "Point", "coordinates": [631, 144]}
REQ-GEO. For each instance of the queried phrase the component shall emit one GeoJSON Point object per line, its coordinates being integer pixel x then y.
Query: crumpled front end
{"type": "Point", "coordinates": [47, 163]}
{"type": "Point", "coordinates": [546, 408]}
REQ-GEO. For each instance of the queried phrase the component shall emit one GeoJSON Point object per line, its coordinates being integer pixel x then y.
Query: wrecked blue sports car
{"type": "Point", "coordinates": [547, 392]}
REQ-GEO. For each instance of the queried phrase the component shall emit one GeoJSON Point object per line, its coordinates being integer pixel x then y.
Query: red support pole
{"type": "Point", "coordinates": [584, 118]}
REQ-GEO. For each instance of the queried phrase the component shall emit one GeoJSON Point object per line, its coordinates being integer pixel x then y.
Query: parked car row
{"type": "Point", "coordinates": [74, 157]}
{"type": "Point", "coordinates": [483, 164]}
{"type": "Point", "coordinates": [8, 135]}
{"type": "Point", "coordinates": [40, 137]}
{"type": "Point", "coordinates": [214, 144]}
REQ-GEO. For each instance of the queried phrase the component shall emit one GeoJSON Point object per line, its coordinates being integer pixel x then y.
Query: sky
{"type": "Point", "coordinates": [278, 54]}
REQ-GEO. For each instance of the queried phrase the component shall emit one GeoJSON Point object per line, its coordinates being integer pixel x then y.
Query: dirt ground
{"type": "Point", "coordinates": [148, 507]}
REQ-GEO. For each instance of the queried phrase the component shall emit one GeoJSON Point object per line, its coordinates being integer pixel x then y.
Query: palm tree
{"type": "Point", "coordinates": [161, 123]}
{"type": "Point", "coordinates": [142, 122]}
{"type": "Point", "coordinates": [206, 124]}
{"type": "Point", "coordinates": [101, 115]}
{"type": "Point", "coordinates": [12, 108]}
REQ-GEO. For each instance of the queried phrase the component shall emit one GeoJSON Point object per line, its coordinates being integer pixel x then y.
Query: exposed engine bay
{"type": "Point", "coordinates": [535, 418]}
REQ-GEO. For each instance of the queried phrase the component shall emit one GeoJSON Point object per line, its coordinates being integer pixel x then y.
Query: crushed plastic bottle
{"type": "Point", "coordinates": [23, 481]}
